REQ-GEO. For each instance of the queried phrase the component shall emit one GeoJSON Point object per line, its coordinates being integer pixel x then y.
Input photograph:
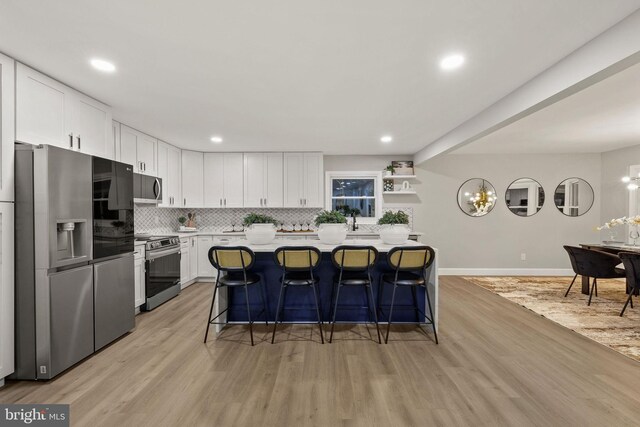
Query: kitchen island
{"type": "Point", "coordinates": [352, 300]}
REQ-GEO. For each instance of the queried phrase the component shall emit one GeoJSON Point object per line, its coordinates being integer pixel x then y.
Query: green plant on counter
{"type": "Point", "coordinates": [390, 169]}
{"type": "Point", "coordinates": [330, 217]}
{"type": "Point", "coordinates": [391, 217]}
{"type": "Point", "coordinates": [254, 218]}
{"type": "Point", "coordinates": [182, 220]}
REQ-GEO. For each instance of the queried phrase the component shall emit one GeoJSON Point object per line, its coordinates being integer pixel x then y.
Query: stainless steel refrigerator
{"type": "Point", "coordinates": [62, 293]}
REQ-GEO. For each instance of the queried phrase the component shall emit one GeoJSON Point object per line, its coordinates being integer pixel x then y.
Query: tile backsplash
{"type": "Point", "coordinates": [149, 219]}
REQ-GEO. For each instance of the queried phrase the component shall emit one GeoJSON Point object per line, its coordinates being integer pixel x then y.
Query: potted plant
{"type": "Point", "coordinates": [395, 227]}
{"type": "Point", "coordinates": [332, 227]}
{"type": "Point", "coordinates": [182, 220]}
{"type": "Point", "coordinates": [389, 170]}
{"type": "Point", "coordinates": [259, 229]}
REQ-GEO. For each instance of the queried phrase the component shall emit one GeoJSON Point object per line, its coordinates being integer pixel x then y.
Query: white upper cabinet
{"type": "Point", "coordinates": [48, 112]}
{"type": "Point", "coordinates": [91, 127]}
{"type": "Point", "coordinates": [7, 130]}
{"type": "Point", "coordinates": [223, 179]}
{"type": "Point", "coordinates": [139, 150]}
{"type": "Point", "coordinates": [303, 182]}
{"type": "Point", "coordinates": [263, 180]}
{"type": "Point", "coordinates": [192, 179]}
{"type": "Point", "coordinates": [170, 171]}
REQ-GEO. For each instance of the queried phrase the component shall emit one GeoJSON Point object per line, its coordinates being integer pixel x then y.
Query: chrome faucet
{"type": "Point", "coordinates": [354, 226]}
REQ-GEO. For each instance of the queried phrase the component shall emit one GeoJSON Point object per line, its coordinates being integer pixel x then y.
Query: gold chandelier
{"type": "Point", "coordinates": [483, 199]}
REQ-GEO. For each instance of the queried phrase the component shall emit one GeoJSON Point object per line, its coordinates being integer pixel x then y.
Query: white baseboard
{"type": "Point", "coordinates": [505, 272]}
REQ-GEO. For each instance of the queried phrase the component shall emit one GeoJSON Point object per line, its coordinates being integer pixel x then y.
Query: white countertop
{"type": "Point", "coordinates": [278, 234]}
{"type": "Point", "coordinates": [271, 247]}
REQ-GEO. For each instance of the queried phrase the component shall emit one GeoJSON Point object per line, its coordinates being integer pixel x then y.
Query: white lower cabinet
{"type": "Point", "coordinates": [193, 258]}
{"type": "Point", "coordinates": [6, 289]}
{"type": "Point", "coordinates": [184, 262]}
{"type": "Point", "coordinates": [139, 275]}
{"type": "Point", "coordinates": [205, 269]}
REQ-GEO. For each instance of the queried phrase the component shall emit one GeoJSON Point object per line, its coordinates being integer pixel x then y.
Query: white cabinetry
{"type": "Point", "coordinates": [223, 180]}
{"type": "Point", "coordinates": [193, 258]}
{"type": "Point", "coordinates": [7, 130]}
{"type": "Point", "coordinates": [205, 269]}
{"type": "Point", "coordinates": [6, 289]}
{"type": "Point", "coordinates": [185, 262]}
{"type": "Point", "coordinates": [139, 275]}
{"type": "Point", "coordinates": [263, 180]}
{"type": "Point", "coordinates": [192, 179]}
{"type": "Point", "coordinates": [303, 182]}
{"type": "Point", "coordinates": [138, 149]}
{"type": "Point", "coordinates": [48, 112]}
{"type": "Point", "coordinates": [170, 171]}
{"type": "Point", "coordinates": [7, 136]}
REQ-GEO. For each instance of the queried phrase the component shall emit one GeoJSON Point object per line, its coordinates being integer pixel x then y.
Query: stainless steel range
{"type": "Point", "coordinates": [162, 277]}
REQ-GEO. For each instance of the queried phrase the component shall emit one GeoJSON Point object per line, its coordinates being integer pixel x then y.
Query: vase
{"type": "Point", "coordinates": [332, 234]}
{"type": "Point", "coordinates": [261, 234]}
{"type": "Point", "coordinates": [394, 234]}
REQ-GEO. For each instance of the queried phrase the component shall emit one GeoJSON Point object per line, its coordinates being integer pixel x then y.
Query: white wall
{"type": "Point", "coordinates": [496, 240]}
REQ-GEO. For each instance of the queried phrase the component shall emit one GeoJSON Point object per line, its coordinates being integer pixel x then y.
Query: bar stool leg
{"type": "Point", "coordinates": [372, 309]}
{"type": "Point", "coordinates": [213, 301]}
{"type": "Point", "coordinates": [380, 291]}
{"type": "Point", "coordinates": [415, 303]}
{"type": "Point", "coordinates": [433, 322]}
{"type": "Point", "coordinates": [246, 296]}
{"type": "Point", "coordinates": [275, 324]}
{"type": "Point", "coordinates": [335, 309]}
{"type": "Point", "coordinates": [315, 296]}
{"type": "Point", "coordinates": [393, 299]}
{"type": "Point", "coordinates": [264, 302]}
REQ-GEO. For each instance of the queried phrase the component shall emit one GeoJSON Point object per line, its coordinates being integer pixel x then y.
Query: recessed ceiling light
{"type": "Point", "coordinates": [386, 139]}
{"type": "Point", "coordinates": [102, 65]}
{"type": "Point", "coordinates": [452, 62]}
{"type": "Point", "coordinates": [216, 139]}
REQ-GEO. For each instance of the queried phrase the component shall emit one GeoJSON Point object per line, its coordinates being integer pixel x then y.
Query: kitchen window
{"type": "Point", "coordinates": [355, 191]}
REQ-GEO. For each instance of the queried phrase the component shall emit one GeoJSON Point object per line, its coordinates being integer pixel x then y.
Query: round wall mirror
{"type": "Point", "coordinates": [476, 197]}
{"type": "Point", "coordinates": [524, 197]}
{"type": "Point", "coordinates": [574, 197]}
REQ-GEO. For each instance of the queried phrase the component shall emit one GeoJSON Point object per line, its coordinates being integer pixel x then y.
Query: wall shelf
{"type": "Point", "coordinates": [398, 177]}
{"type": "Point", "coordinates": [399, 192]}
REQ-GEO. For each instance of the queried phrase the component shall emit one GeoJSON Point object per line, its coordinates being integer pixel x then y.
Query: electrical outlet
{"type": "Point", "coordinates": [523, 256]}
{"type": "Point", "coordinates": [157, 219]}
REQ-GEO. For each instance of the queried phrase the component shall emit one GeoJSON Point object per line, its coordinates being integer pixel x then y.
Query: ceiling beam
{"type": "Point", "coordinates": [611, 52]}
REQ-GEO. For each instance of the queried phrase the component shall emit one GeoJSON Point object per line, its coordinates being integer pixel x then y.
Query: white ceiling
{"type": "Point", "coordinates": [602, 117]}
{"type": "Point", "coordinates": [328, 75]}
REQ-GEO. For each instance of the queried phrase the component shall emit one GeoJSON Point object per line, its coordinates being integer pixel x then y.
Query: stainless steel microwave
{"type": "Point", "coordinates": [147, 189]}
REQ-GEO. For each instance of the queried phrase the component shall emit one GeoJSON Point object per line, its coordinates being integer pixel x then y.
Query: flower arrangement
{"type": "Point", "coordinates": [634, 220]}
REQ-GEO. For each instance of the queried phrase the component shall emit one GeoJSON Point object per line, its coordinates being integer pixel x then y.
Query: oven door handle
{"type": "Point", "coordinates": [153, 255]}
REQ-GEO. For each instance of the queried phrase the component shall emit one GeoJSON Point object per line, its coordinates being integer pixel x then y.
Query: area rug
{"type": "Point", "coordinates": [600, 321]}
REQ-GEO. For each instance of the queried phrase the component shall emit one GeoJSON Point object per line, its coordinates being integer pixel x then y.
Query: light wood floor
{"type": "Point", "coordinates": [497, 364]}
